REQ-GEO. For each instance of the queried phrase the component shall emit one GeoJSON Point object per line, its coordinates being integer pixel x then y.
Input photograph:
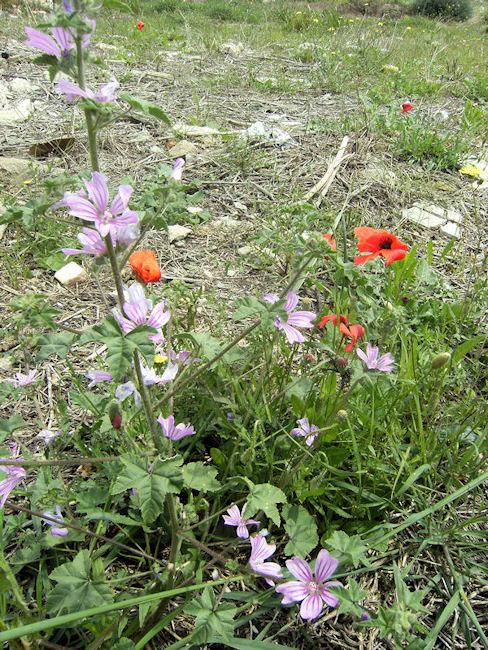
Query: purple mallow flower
{"type": "Point", "coordinates": [309, 432]}
{"type": "Point", "coordinates": [93, 244]}
{"type": "Point", "coordinates": [294, 320]}
{"type": "Point", "coordinates": [68, 7]}
{"type": "Point", "coordinates": [95, 207]}
{"type": "Point", "coordinates": [311, 592]}
{"type": "Point", "coordinates": [126, 390]}
{"type": "Point", "coordinates": [150, 377]}
{"type": "Point", "coordinates": [260, 552]}
{"type": "Point", "coordinates": [105, 94]}
{"type": "Point", "coordinates": [175, 432]}
{"type": "Point", "coordinates": [183, 357]}
{"type": "Point", "coordinates": [137, 308]}
{"type": "Point", "coordinates": [22, 380]}
{"type": "Point", "coordinates": [177, 172]}
{"type": "Point", "coordinates": [97, 376]}
{"type": "Point", "coordinates": [48, 435]}
{"type": "Point", "coordinates": [384, 363]}
{"type": "Point", "coordinates": [55, 532]}
{"type": "Point", "coordinates": [62, 43]}
{"type": "Point", "coordinates": [236, 518]}
{"type": "Point", "coordinates": [15, 474]}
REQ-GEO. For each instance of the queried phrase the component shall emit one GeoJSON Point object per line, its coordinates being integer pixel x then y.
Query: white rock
{"type": "Point", "coordinates": [194, 209]}
{"type": "Point", "coordinates": [18, 113]}
{"type": "Point", "coordinates": [452, 215]}
{"type": "Point", "coordinates": [244, 251]}
{"type": "Point", "coordinates": [451, 229]}
{"type": "Point", "coordinates": [193, 129]}
{"type": "Point", "coordinates": [71, 273]}
{"type": "Point", "coordinates": [433, 209]}
{"type": "Point", "coordinates": [19, 85]}
{"type": "Point", "coordinates": [156, 149]}
{"type": "Point", "coordinates": [240, 206]}
{"type": "Point", "coordinates": [182, 148]}
{"type": "Point", "coordinates": [422, 218]}
{"type": "Point", "coordinates": [177, 233]}
{"type": "Point", "coordinates": [231, 48]}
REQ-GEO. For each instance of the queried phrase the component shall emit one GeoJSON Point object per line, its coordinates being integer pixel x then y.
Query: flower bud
{"type": "Point", "coordinates": [389, 307]}
{"type": "Point", "coordinates": [340, 363]}
{"type": "Point", "coordinates": [440, 360]}
{"type": "Point", "coordinates": [342, 414]}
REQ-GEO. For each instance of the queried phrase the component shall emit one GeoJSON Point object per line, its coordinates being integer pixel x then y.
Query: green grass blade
{"type": "Point", "coordinates": [442, 620]}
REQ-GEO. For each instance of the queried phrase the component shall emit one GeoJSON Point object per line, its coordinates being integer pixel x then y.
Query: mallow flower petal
{"type": "Point", "coordinates": [299, 569]}
{"type": "Point", "coordinates": [98, 191]}
{"type": "Point", "coordinates": [324, 566]}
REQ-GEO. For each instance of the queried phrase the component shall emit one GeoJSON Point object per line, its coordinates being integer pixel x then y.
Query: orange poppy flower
{"type": "Point", "coordinates": [331, 241]}
{"type": "Point", "coordinates": [145, 265]}
{"type": "Point", "coordinates": [140, 25]}
{"type": "Point", "coordinates": [378, 242]}
{"type": "Point", "coordinates": [353, 332]}
{"type": "Point", "coordinates": [407, 106]}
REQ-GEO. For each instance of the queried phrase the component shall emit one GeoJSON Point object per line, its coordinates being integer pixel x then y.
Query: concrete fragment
{"type": "Point", "coordinates": [20, 85]}
{"type": "Point", "coordinates": [422, 218]}
{"type": "Point", "coordinates": [182, 148]}
{"type": "Point", "coordinates": [177, 233]}
{"type": "Point", "coordinates": [195, 130]}
{"type": "Point", "coordinates": [17, 113]}
{"type": "Point", "coordinates": [70, 274]}
{"type": "Point", "coordinates": [452, 215]}
{"type": "Point", "coordinates": [451, 229]}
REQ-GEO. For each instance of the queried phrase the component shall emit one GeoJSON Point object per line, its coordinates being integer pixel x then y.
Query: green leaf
{"type": "Point", "coordinates": [251, 644]}
{"type": "Point", "coordinates": [200, 477]}
{"type": "Point", "coordinates": [9, 426]}
{"type": "Point", "coordinates": [117, 4]}
{"type": "Point", "coordinates": [352, 548]}
{"type": "Point", "coordinates": [81, 584]}
{"type": "Point", "coordinates": [152, 486]}
{"type": "Point", "coordinates": [301, 529]}
{"type": "Point", "coordinates": [248, 307]}
{"type": "Point", "coordinates": [350, 597]}
{"type": "Point", "coordinates": [211, 618]}
{"type": "Point", "coordinates": [51, 344]}
{"type": "Point", "coordinates": [264, 496]}
{"type": "Point", "coordinates": [120, 347]}
{"type": "Point", "coordinates": [8, 582]}
{"type": "Point", "coordinates": [463, 349]}
{"type": "Point", "coordinates": [145, 107]}
{"type": "Point", "coordinates": [209, 346]}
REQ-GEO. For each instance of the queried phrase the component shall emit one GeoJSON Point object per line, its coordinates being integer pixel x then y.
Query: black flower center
{"type": "Point", "coordinates": [385, 243]}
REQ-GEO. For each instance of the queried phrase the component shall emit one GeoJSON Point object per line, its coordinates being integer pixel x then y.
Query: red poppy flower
{"type": "Point", "coordinates": [145, 265]}
{"type": "Point", "coordinates": [140, 25]}
{"type": "Point", "coordinates": [331, 241]}
{"type": "Point", "coordinates": [407, 106]}
{"type": "Point", "coordinates": [353, 332]}
{"type": "Point", "coordinates": [378, 242]}
{"type": "Point", "coordinates": [117, 423]}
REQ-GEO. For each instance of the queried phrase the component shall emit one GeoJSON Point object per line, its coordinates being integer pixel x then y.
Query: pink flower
{"type": "Point", "coordinates": [312, 593]}
{"type": "Point", "coordinates": [136, 311]}
{"type": "Point", "coordinates": [62, 43]}
{"type": "Point", "coordinates": [236, 518]}
{"type": "Point", "coordinates": [105, 94]}
{"type": "Point", "coordinates": [21, 379]}
{"type": "Point", "coordinates": [261, 551]}
{"type": "Point", "coordinates": [177, 172]}
{"type": "Point", "coordinates": [175, 432]}
{"type": "Point", "coordinates": [95, 207]}
{"type": "Point", "coordinates": [92, 242]}
{"type": "Point", "coordinates": [385, 363]}
{"type": "Point", "coordinates": [55, 532]}
{"type": "Point", "coordinates": [15, 474]}
{"type": "Point", "coordinates": [309, 432]}
{"type": "Point", "coordinates": [97, 376]}
{"type": "Point", "coordinates": [296, 319]}
{"type": "Point", "coordinates": [48, 435]}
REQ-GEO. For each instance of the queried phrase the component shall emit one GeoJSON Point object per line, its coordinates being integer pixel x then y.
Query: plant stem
{"type": "Point", "coordinates": [90, 126]}
{"type": "Point", "coordinates": [146, 402]}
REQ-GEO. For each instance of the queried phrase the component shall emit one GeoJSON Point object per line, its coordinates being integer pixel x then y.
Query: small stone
{"type": "Point", "coordinates": [177, 233]}
{"type": "Point", "coordinates": [207, 274]}
{"type": "Point", "coordinates": [240, 206]}
{"type": "Point", "coordinates": [195, 130]}
{"type": "Point", "coordinates": [156, 149]}
{"type": "Point", "coordinates": [434, 209]}
{"type": "Point", "coordinates": [231, 48]}
{"type": "Point", "coordinates": [228, 222]}
{"type": "Point", "coordinates": [244, 251]}
{"type": "Point", "coordinates": [422, 218]}
{"type": "Point", "coordinates": [194, 209]}
{"type": "Point", "coordinates": [182, 148]}
{"type": "Point", "coordinates": [19, 85]}
{"type": "Point", "coordinates": [70, 274]}
{"type": "Point", "coordinates": [15, 171]}
{"type": "Point", "coordinates": [451, 229]}
{"type": "Point", "coordinates": [452, 215]}
{"type": "Point", "coordinates": [231, 272]}
{"type": "Point", "coordinates": [18, 113]}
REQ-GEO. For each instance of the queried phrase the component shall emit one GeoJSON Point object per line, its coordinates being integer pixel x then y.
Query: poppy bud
{"type": "Point", "coordinates": [114, 414]}
{"type": "Point", "coordinates": [389, 307]}
{"type": "Point", "coordinates": [342, 414]}
{"type": "Point", "coordinates": [440, 360]}
{"type": "Point", "coordinates": [341, 363]}
{"type": "Point", "coordinates": [405, 299]}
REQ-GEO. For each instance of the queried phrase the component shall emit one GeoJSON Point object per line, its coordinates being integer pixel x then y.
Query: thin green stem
{"type": "Point", "coordinates": [146, 403]}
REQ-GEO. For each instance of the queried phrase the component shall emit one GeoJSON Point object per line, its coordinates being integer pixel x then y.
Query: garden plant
{"type": "Point", "coordinates": [244, 483]}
